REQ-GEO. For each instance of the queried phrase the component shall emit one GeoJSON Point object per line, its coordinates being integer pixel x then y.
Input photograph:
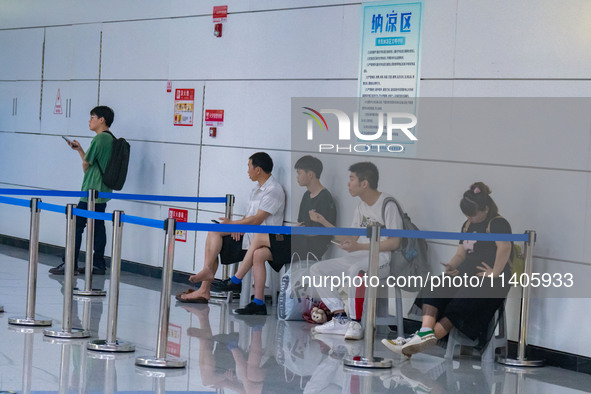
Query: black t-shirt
{"type": "Point", "coordinates": [483, 251]}
{"type": "Point", "coordinates": [324, 204]}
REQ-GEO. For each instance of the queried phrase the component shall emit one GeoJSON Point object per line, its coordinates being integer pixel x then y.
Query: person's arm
{"type": "Point", "coordinates": [75, 145]}
{"type": "Point", "coordinates": [451, 268]}
{"type": "Point", "coordinates": [501, 259]}
{"type": "Point", "coordinates": [388, 245]}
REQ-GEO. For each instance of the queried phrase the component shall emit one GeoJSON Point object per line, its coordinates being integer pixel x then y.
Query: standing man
{"type": "Point", "coordinates": [98, 155]}
{"type": "Point", "coordinates": [266, 206]}
{"type": "Point", "coordinates": [363, 183]}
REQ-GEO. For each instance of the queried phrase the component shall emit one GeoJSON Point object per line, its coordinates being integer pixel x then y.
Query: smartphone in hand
{"type": "Point", "coordinates": [67, 140]}
{"type": "Point", "coordinates": [215, 221]}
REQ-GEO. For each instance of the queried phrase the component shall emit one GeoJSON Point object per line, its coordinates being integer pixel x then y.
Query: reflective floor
{"type": "Point", "coordinates": [224, 353]}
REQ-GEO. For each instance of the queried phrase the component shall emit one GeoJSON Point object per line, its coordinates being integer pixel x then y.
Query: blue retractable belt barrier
{"type": "Point", "coordinates": [15, 201]}
{"type": "Point", "coordinates": [35, 192]}
{"type": "Point", "coordinates": [143, 221]}
{"type": "Point", "coordinates": [51, 207]}
{"type": "Point", "coordinates": [234, 228]}
{"type": "Point", "coordinates": [146, 197]}
{"type": "Point", "coordinates": [92, 215]}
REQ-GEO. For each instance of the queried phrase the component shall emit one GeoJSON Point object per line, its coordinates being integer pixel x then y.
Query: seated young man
{"type": "Point", "coordinates": [266, 206]}
{"type": "Point", "coordinates": [277, 248]}
{"type": "Point", "coordinates": [363, 183]}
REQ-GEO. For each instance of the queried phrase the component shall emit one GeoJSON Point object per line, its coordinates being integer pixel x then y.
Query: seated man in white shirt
{"type": "Point", "coordinates": [363, 183]}
{"type": "Point", "coordinates": [266, 206]}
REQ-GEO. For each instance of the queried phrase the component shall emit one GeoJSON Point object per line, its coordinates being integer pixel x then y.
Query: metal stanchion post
{"type": "Point", "coordinates": [369, 361]}
{"type": "Point", "coordinates": [111, 344]}
{"type": "Point", "coordinates": [1, 308]}
{"type": "Point", "coordinates": [160, 360]}
{"type": "Point", "coordinates": [226, 268]}
{"type": "Point", "coordinates": [30, 320]}
{"type": "Point", "coordinates": [88, 290]}
{"type": "Point", "coordinates": [67, 331]}
{"type": "Point", "coordinates": [521, 360]}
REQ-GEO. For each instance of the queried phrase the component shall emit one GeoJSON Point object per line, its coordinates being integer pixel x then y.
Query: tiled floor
{"type": "Point", "coordinates": [224, 353]}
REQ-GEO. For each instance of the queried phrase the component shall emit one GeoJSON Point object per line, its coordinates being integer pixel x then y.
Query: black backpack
{"type": "Point", "coordinates": [411, 259]}
{"type": "Point", "coordinates": [116, 171]}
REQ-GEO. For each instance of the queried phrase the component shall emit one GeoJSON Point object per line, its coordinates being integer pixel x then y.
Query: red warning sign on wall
{"type": "Point", "coordinates": [58, 104]}
{"type": "Point", "coordinates": [220, 13]}
{"type": "Point", "coordinates": [214, 117]}
{"type": "Point", "coordinates": [181, 215]}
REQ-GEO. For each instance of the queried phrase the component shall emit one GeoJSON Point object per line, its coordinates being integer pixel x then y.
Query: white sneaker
{"type": "Point", "coordinates": [336, 326]}
{"type": "Point", "coordinates": [419, 342]}
{"type": "Point", "coordinates": [354, 331]}
{"type": "Point", "coordinates": [340, 348]}
{"type": "Point", "coordinates": [395, 344]}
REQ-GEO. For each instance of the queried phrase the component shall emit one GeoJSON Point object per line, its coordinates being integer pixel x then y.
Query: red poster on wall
{"type": "Point", "coordinates": [214, 117]}
{"type": "Point", "coordinates": [220, 13]}
{"type": "Point", "coordinates": [184, 105]}
{"type": "Point", "coordinates": [181, 215]}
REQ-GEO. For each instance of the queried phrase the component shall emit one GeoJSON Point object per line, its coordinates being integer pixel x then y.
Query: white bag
{"type": "Point", "coordinates": [294, 299]}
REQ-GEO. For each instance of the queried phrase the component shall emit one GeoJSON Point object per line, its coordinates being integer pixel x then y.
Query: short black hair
{"type": "Point", "coordinates": [262, 160]}
{"type": "Point", "coordinates": [102, 111]}
{"type": "Point", "coordinates": [366, 171]}
{"type": "Point", "coordinates": [309, 163]}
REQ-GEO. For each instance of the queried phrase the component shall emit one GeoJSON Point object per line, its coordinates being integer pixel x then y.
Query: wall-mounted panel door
{"type": "Point", "coordinates": [7, 106]}
{"type": "Point", "coordinates": [25, 47]}
{"type": "Point", "coordinates": [28, 94]}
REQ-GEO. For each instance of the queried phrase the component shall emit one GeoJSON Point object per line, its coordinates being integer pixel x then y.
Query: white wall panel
{"type": "Point", "coordinates": [72, 52]}
{"type": "Point", "coordinates": [559, 88]}
{"type": "Point", "coordinates": [519, 131]}
{"type": "Point", "coordinates": [136, 50]}
{"type": "Point", "coordinates": [526, 39]}
{"type": "Point", "coordinates": [28, 94]}
{"type": "Point", "coordinates": [287, 38]}
{"type": "Point", "coordinates": [145, 111]}
{"type": "Point", "coordinates": [438, 39]}
{"type": "Point", "coordinates": [19, 159]}
{"type": "Point", "coordinates": [163, 169]}
{"type": "Point", "coordinates": [21, 54]}
{"type": "Point", "coordinates": [54, 165]}
{"type": "Point", "coordinates": [77, 98]}
{"type": "Point", "coordinates": [258, 113]}
{"type": "Point", "coordinates": [189, 7]}
{"type": "Point", "coordinates": [7, 116]}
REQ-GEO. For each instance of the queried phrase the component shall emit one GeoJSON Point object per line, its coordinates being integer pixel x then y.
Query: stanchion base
{"type": "Point", "coordinates": [154, 362]}
{"type": "Point", "coordinates": [23, 321]}
{"type": "Point", "coordinates": [93, 292]}
{"type": "Point", "coordinates": [74, 333]}
{"type": "Point", "coordinates": [512, 362]}
{"type": "Point", "coordinates": [363, 362]}
{"type": "Point", "coordinates": [102, 345]}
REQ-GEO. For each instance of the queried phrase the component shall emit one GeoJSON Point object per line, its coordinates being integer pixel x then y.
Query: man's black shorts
{"type": "Point", "coordinates": [232, 251]}
{"type": "Point", "coordinates": [280, 250]}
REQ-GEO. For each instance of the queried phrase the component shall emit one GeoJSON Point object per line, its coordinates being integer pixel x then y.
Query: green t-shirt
{"type": "Point", "coordinates": [99, 152]}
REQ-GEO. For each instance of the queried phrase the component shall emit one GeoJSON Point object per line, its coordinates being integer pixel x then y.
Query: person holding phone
{"type": "Point", "coordinates": [98, 154]}
{"type": "Point", "coordinates": [277, 249]}
{"type": "Point", "coordinates": [363, 183]}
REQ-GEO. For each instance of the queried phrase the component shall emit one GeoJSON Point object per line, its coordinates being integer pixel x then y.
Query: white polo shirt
{"type": "Point", "coordinates": [270, 197]}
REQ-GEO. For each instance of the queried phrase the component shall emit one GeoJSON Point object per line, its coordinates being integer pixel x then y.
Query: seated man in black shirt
{"type": "Point", "coordinates": [277, 248]}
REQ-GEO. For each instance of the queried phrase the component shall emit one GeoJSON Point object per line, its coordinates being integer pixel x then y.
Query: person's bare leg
{"type": "Point", "coordinates": [258, 241]}
{"type": "Point", "coordinates": [213, 246]}
{"type": "Point", "coordinates": [259, 271]}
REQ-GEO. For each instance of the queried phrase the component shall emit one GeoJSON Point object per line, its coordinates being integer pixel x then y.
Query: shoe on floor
{"type": "Point", "coordinates": [95, 270]}
{"type": "Point", "coordinates": [419, 342]}
{"type": "Point", "coordinates": [336, 326]}
{"type": "Point", "coordinates": [339, 348]}
{"type": "Point", "coordinates": [252, 309]}
{"type": "Point", "coordinates": [395, 344]}
{"type": "Point", "coordinates": [354, 331]}
{"type": "Point", "coordinates": [61, 270]}
{"type": "Point", "coordinates": [227, 285]}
